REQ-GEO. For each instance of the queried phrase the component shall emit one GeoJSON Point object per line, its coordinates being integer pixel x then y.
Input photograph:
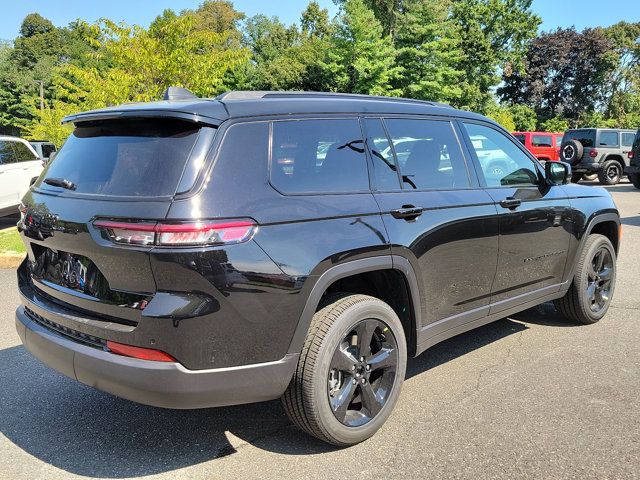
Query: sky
{"type": "Point", "coordinates": [554, 13]}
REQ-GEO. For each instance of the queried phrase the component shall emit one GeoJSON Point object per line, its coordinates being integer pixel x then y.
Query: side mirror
{"type": "Point", "coordinates": [557, 173]}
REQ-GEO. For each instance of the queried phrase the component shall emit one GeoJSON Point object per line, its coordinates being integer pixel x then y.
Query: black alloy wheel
{"type": "Point", "coordinates": [362, 372]}
{"type": "Point", "coordinates": [599, 280]}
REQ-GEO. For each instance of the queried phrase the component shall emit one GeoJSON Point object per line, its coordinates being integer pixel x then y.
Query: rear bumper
{"type": "Point", "coordinates": [161, 384]}
{"type": "Point", "coordinates": [586, 167]}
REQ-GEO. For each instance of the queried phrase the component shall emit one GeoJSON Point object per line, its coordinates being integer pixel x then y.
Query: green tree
{"type": "Point", "coordinates": [362, 59]}
{"type": "Point", "coordinates": [493, 33]}
{"type": "Point", "coordinates": [524, 117]}
{"type": "Point", "coordinates": [428, 52]}
{"type": "Point", "coordinates": [555, 124]}
{"type": "Point", "coordinates": [501, 115]}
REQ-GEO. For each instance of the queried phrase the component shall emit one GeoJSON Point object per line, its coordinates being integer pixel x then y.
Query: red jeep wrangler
{"type": "Point", "coordinates": [544, 145]}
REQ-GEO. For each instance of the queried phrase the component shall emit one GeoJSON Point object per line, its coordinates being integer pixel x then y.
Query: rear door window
{"type": "Point", "coordinates": [559, 140]}
{"type": "Point", "coordinates": [385, 170]}
{"type": "Point", "coordinates": [608, 139]}
{"type": "Point", "coordinates": [125, 158]}
{"type": "Point", "coordinates": [318, 156]}
{"type": "Point", "coordinates": [7, 154]}
{"type": "Point", "coordinates": [428, 154]}
{"type": "Point", "coordinates": [48, 149]}
{"type": "Point", "coordinates": [542, 141]}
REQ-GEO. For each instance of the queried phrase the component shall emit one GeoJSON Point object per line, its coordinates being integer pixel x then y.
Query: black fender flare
{"type": "Point", "coordinates": [354, 267]}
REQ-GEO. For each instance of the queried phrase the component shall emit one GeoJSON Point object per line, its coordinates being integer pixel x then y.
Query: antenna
{"type": "Point", "coordinates": [178, 93]}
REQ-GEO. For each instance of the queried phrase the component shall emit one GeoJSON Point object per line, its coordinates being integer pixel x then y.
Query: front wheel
{"type": "Point", "coordinates": [611, 173]}
{"type": "Point", "coordinates": [590, 293]}
{"type": "Point", "coordinates": [350, 370]}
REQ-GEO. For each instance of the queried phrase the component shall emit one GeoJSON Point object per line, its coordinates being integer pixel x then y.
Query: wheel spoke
{"type": "Point", "coordinates": [365, 332]}
{"type": "Point", "coordinates": [605, 273]}
{"type": "Point", "coordinates": [370, 400]}
{"type": "Point", "coordinates": [591, 291]}
{"type": "Point", "coordinates": [343, 360]}
{"type": "Point", "coordinates": [340, 402]}
{"type": "Point", "coordinates": [383, 359]}
{"type": "Point", "coordinates": [599, 260]}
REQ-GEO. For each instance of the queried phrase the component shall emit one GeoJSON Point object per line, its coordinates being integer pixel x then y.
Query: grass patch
{"type": "Point", "coordinates": [10, 241]}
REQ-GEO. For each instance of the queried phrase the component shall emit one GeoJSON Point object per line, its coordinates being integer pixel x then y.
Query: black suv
{"type": "Point", "coordinates": [194, 253]}
{"type": "Point", "coordinates": [597, 151]}
{"type": "Point", "coordinates": [633, 170]}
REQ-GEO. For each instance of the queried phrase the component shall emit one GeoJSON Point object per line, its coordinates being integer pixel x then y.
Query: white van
{"type": "Point", "coordinates": [19, 164]}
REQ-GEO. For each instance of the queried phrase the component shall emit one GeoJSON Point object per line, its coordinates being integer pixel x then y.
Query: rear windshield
{"type": "Point", "coordinates": [586, 137]}
{"type": "Point", "coordinates": [125, 158]}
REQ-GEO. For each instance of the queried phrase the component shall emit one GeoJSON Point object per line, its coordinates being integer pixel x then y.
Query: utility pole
{"type": "Point", "coordinates": [41, 95]}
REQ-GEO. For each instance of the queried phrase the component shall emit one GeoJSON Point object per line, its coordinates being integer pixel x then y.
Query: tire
{"type": "Point", "coordinates": [611, 172]}
{"type": "Point", "coordinates": [581, 298]}
{"type": "Point", "coordinates": [317, 387]}
{"type": "Point", "coordinates": [576, 177]}
{"type": "Point", "coordinates": [634, 178]}
{"type": "Point", "coordinates": [589, 177]}
{"type": "Point", "coordinates": [571, 151]}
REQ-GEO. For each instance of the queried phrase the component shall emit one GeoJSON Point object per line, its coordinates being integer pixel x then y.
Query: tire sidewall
{"type": "Point", "coordinates": [581, 277]}
{"type": "Point", "coordinates": [604, 178]}
{"type": "Point", "coordinates": [333, 428]}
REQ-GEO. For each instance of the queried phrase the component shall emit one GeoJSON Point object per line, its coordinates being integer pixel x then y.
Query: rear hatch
{"type": "Point", "coordinates": [127, 170]}
{"type": "Point", "coordinates": [587, 137]}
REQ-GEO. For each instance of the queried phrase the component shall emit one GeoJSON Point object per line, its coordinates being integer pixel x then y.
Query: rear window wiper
{"type": "Point", "coordinates": [60, 182]}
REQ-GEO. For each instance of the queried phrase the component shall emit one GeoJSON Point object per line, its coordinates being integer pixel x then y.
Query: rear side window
{"type": "Point", "coordinates": [559, 140]}
{"type": "Point", "coordinates": [126, 158]}
{"type": "Point", "coordinates": [385, 170]}
{"type": "Point", "coordinates": [48, 149]}
{"type": "Point", "coordinates": [627, 139]}
{"type": "Point", "coordinates": [318, 156]}
{"type": "Point", "coordinates": [608, 139]}
{"type": "Point", "coordinates": [586, 137]}
{"type": "Point", "coordinates": [542, 141]}
{"type": "Point", "coordinates": [428, 154]}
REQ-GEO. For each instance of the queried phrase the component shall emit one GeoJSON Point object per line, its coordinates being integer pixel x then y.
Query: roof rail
{"type": "Point", "coordinates": [252, 95]}
{"type": "Point", "coordinates": [178, 93]}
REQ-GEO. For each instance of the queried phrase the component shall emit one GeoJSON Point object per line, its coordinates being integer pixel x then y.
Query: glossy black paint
{"type": "Point", "coordinates": [467, 255]}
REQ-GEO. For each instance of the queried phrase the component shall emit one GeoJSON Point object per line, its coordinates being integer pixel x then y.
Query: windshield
{"type": "Point", "coordinates": [125, 158]}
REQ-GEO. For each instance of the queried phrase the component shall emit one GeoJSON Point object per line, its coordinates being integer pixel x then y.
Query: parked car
{"type": "Point", "coordinates": [633, 170]}
{"type": "Point", "coordinates": [187, 266]}
{"type": "Point", "coordinates": [19, 165]}
{"type": "Point", "coordinates": [43, 148]}
{"type": "Point", "coordinates": [543, 145]}
{"type": "Point", "coordinates": [597, 150]}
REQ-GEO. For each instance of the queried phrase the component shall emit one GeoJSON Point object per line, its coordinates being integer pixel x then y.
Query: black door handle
{"type": "Point", "coordinates": [407, 212]}
{"type": "Point", "coordinates": [510, 203]}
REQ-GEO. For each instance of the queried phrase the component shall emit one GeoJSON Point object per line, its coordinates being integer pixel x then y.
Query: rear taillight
{"type": "Point", "coordinates": [178, 234]}
{"type": "Point", "coordinates": [630, 154]}
{"type": "Point", "coordinates": [593, 153]}
{"type": "Point", "coordinates": [139, 352]}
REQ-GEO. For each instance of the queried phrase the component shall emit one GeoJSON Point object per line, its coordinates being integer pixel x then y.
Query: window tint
{"type": "Point", "coordinates": [318, 156]}
{"type": "Point", "coordinates": [6, 153]}
{"type": "Point", "coordinates": [48, 149]}
{"type": "Point", "coordinates": [126, 158]}
{"type": "Point", "coordinates": [502, 162]}
{"type": "Point", "coordinates": [521, 138]}
{"type": "Point", "coordinates": [586, 137]}
{"type": "Point", "coordinates": [22, 153]}
{"type": "Point", "coordinates": [384, 168]}
{"type": "Point", "coordinates": [428, 154]}
{"type": "Point", "coordinates": [608, 139]}
{"type": "Point", "coordinates": [627, 139]}
{"type": "Point", "coordinates": [542, 141]}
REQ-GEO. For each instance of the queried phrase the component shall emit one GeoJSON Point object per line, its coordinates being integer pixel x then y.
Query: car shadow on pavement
{"type": "Point", "coordinates": [632, 221]}
{"type": "Point", "coordinates": [86, 432]}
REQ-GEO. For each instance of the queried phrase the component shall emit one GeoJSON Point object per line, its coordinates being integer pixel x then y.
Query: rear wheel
{"type": "Point", "coordinates": [350, 370]}
{"type": "Point", "coordinates": [610, 173]}
{"type": "Point", "coordinates": [635, 179]}
{"type": "Point", "coordinates": [589, 296]}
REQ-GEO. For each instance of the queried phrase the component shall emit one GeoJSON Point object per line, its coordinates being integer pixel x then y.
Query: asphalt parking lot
{"type": "Point", "coordinates": [529, 396]}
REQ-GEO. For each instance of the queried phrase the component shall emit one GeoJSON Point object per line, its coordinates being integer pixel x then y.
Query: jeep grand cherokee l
{"type": "Point", "coordinates": [194, 253]}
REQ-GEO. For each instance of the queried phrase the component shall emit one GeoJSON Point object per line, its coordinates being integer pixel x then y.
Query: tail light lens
{"type": "Point", "coordinates": [178, 234]}
{"type": "Point", "coordinates": [593, 153]}
{"type": "Point", "coordinates": [139, 352]}
{"type": "Point", "coordinates": [630, 154]}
